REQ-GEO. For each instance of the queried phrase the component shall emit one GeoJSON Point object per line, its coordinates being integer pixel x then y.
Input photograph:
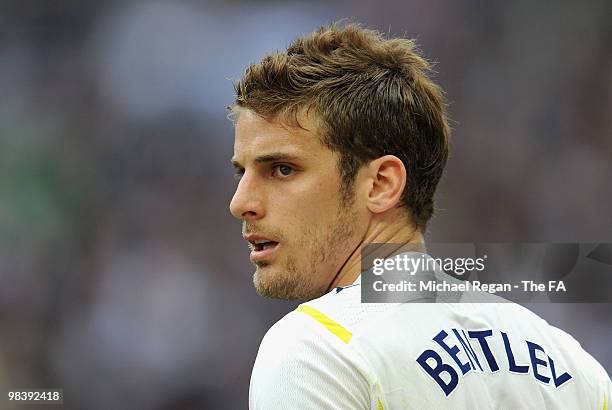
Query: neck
{"type": "Point", "coordinates": [394, 236]}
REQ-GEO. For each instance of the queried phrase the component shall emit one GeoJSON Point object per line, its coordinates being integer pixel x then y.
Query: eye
{"type": "Point", "coordinates": [283, 170]}
{"type": "Point", "coordinates": [238, 174]}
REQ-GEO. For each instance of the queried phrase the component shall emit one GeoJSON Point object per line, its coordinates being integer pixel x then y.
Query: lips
{"type": "Point", "coordinates": [262, 248]}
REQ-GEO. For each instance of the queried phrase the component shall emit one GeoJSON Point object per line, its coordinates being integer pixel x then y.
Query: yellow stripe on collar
{"type": "Point", "coordinates": [334, 327]}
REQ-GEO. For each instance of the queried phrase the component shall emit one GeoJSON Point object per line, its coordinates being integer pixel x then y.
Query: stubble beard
{"type": "Point", "coordinates": [303, 281]}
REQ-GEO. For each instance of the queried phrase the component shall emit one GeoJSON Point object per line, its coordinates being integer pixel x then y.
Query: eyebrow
{"type": "Point", "coordinates": [263, 159]}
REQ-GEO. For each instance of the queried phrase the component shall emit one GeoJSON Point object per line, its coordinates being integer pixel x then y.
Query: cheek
{"type": "Point", "coordinates": [310, 208]}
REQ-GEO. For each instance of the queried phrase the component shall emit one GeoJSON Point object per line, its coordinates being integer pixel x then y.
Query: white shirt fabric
{"type": "Point", "coordinates": [335, 352]}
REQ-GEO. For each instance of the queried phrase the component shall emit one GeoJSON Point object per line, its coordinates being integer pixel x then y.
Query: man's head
{"type": "Point", "coordinates": [317, 128]}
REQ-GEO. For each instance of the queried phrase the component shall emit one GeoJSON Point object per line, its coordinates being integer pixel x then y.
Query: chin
{"type": "Point", "coordinates": [279, 284]}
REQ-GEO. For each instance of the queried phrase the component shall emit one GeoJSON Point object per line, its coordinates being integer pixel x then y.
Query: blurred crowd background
{"type": "Point", "coordinates": [124, 279]}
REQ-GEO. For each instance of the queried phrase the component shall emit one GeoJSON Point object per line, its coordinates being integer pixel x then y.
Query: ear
{"type": "Point", "coordinates": [388, 176]}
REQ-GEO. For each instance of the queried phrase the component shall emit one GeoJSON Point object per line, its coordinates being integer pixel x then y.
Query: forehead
{"type": "Point", "coordinates": [255, 136]}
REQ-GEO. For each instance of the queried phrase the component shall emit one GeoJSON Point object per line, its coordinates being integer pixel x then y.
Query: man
{"type": "Point", "coordinates": [340, 142]}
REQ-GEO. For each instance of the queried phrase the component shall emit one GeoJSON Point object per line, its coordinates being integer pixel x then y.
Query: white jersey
{"type": "Point", "coordinates": [336, 353]}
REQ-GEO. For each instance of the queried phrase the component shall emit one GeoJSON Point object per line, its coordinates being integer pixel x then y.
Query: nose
{"type": "Point", "coordinates": [247, 203]}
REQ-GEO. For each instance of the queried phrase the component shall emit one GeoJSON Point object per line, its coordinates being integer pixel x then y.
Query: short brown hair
{"type": "Point", "coordinates": [374, 98]}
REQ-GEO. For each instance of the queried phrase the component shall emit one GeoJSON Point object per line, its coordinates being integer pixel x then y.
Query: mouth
{"type": "Point", "coordinates": [262, 249]}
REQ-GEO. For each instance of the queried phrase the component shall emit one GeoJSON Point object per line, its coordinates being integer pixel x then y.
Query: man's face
{"type": "Point", "coordinates": [299, 228]}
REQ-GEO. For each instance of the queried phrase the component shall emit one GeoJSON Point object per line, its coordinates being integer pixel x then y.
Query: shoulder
{"type": "Point", "coordinates": [316, 329]}
{"type": "Point", "coordinates": [305, 362]}
{"type": "Point", "coordinates": [305, 328]}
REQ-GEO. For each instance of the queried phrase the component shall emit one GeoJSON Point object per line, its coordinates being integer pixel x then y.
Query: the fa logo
{"type": "Point", "coordinates": [556, 286]}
